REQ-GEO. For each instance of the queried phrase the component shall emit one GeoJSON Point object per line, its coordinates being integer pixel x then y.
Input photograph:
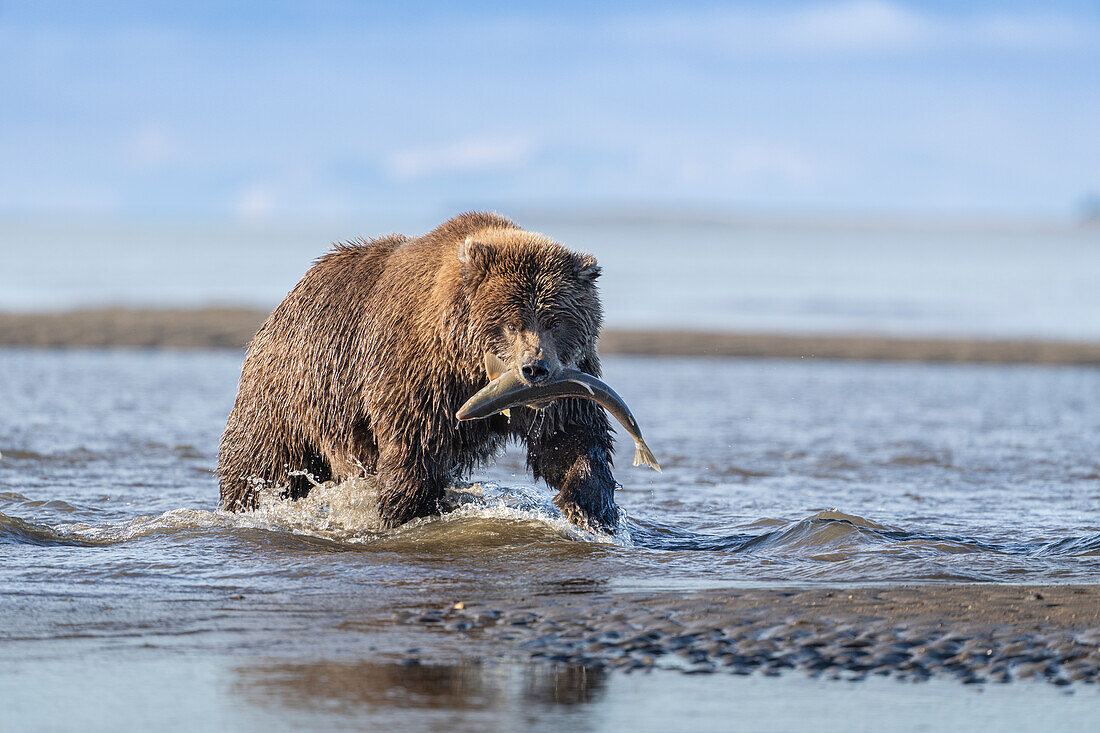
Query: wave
{"type": "Point", "coordinates": [15, 499]}
{"type": "Point", "coordinates": [833, 532]}
{"type": "Point", "coordinates": [16, 531]}
{"type": "Point", "coordinates": [1087, 546]}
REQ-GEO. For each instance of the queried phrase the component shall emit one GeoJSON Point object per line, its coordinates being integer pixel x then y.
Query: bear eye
{"type": "Point", "coordinates": [511, 327]}
{"type": "Point", "coordinates": [555, 327]}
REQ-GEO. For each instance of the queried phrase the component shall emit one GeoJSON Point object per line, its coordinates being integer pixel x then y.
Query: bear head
{"type": "Point", "coordinates": [531, 301]}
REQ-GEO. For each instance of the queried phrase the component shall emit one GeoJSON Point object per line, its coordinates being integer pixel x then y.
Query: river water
{"type": "Point", "coordinates": [126, 593]}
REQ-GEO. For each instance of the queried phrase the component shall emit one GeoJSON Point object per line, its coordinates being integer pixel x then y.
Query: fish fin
{"type": "Point", "coordinates": [494, 367]}
{"type": "Point", "coordinates": [642, 454]}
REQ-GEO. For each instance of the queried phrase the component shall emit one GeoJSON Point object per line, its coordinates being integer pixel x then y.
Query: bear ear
{"type": "Point", "coordinates": [473, 257]}
{"type": "Point", "coordinates": [587, 269]}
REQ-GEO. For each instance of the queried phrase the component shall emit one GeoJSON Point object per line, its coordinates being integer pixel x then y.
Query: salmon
{"type": "Point", "coordinates": [507, 389]}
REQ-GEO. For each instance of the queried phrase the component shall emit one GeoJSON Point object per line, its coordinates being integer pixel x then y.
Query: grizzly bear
{"type": "Point", "coordinates": [361, 369]}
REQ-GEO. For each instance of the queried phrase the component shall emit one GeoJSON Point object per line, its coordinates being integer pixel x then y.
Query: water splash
{"type": "Point", "coordinates": [348, 512]}
{"type": "Point", "coordinates": [345, 513]}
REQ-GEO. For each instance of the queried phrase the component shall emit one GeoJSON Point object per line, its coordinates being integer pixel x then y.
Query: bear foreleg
{"type": "Point", "coordinates": [411, 486]}
{"type": "Point", "coordinates": [569, 445]}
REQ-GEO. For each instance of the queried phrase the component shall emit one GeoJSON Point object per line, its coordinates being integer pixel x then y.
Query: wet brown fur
{"type": "Point", "coordinates": [363, 366]}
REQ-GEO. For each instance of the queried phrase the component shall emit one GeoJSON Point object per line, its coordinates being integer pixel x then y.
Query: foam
{"type": "Point", "coordinates": [347, 513]}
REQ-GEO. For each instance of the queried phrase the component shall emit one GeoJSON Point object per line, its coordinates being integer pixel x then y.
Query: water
{"type": "Point", "coordinates": [776, 473]}
{"type": "Point", "coordinates": [1037, 282]}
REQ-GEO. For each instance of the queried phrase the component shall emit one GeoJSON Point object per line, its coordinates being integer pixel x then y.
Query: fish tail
{"type": "Point", "coordinates": [642, 454]}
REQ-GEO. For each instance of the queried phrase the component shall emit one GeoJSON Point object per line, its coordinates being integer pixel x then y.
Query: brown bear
{"type": "Point", "coordinates": [360, 370]}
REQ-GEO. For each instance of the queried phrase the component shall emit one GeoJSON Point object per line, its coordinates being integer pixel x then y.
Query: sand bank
{"type": "Point", "coordinates": [233, 327]}
{"type": "Point", "coordinates": [130, 327]}
{"type": "Point", "coordinates": [975, 633]}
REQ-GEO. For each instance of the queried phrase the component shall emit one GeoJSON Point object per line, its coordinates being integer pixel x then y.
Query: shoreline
{"type": "Point", "coordinates": [232, 328]}
{"type": "Point", "coordinates": [974, 633]}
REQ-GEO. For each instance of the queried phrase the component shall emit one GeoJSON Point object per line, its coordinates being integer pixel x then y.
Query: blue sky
{"type": "Point", "coordinates": [323, 111]}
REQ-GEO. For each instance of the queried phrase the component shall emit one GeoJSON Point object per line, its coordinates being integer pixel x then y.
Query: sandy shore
{"type": "Point", "coordinates": [128, 327]}
{"type": "Point", "coordinates": [233, 327]}
{"type": "Point", "coordinates": [975, 633]}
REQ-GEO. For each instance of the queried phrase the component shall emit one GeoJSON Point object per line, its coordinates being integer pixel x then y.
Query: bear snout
{"type": "Point", "coordinates": [535, 371]}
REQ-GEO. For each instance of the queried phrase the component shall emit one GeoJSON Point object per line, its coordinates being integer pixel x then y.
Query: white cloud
{"type": "Point", "coordinates": [154, 145]}
{"type": "Point", "coordinates": [465, 156]}
{"type": "Point", "coordinates": [865, 25]}
{"type": "Point", "coordinates": [255, 203]}
{"type": "Point", "coordinates": [853, 27]}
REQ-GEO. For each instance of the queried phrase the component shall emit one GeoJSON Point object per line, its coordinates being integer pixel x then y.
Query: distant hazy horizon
{"type": "Point", "coordinates": [956, 278]}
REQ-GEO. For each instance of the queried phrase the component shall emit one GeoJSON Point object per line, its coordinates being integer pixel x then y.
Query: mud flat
{"type": "Point", "coordinates": [973, 633]}
{"type": "Point", "coordinates": [849, 347]}
{"type": "Point", "coordinates": [233, 327]}
{"type": "Point", "coordinates": [131, 327]}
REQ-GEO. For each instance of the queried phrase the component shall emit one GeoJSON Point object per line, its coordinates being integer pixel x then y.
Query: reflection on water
{"type": "Point", "coordinates": [351, 687]}
{"type": "Point", "coordinates": [127, 691]}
